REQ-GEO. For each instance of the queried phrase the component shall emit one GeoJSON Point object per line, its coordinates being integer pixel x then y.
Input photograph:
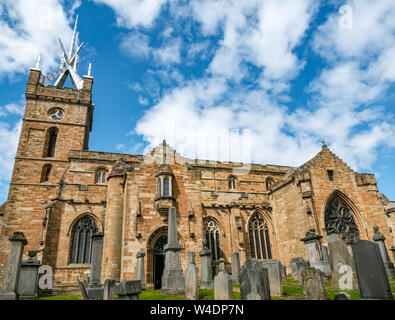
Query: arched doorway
{"type": "Point", "coordinates": [159, 260]}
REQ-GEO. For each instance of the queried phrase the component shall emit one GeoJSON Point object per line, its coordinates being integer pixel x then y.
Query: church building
{"type": "Point", "coordinates": [61, 194]}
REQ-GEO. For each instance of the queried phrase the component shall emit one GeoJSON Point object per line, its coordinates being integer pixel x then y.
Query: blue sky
{"type": "Point", "coordinates": [290, 73]}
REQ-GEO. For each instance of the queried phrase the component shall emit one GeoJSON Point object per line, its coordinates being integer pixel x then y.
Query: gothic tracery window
{"type": "Point", "coordinates": [101, 176]}
{"type": "Point", "coordinates": [231, 183]}
{"type": "Point", "coordinates": [81, 247]}
{"type": "Point", "coordinates": [259, 238]}
{"type": "Point", "coordinates": [211, 232]}
{"type": "Point", "coordinates": [339, 219]}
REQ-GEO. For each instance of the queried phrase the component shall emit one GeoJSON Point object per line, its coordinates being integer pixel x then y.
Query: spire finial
{"type": "Point", "coordinates": [164, 150]}
{"type": "Point", "coordinates": [89, 69]}
{"type": "Point", "coordinates": [38, 61]}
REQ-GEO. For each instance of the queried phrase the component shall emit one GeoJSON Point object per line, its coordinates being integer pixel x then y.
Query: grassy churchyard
{"type": "Point", "coordinates": [292, 290]}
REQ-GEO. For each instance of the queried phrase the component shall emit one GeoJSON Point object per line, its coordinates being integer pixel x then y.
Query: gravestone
{"type": "Point", "coordinates": [283, 272]}
{"type": "Point", "coordinates": [254, 281]}
{"type": "Point", "coordinates": [140, 269]}
{"type": "Point", "coordinates": [342, 265]}
{"type": "Point", "coordinates": [28, 279]}
{"type": "Point", "coordinates": [191, 257]}
{"type": "Point", "coordinates": [191, 279]}
{"type": "Point", "coordinates": [393, 253]}
{"type": "Point", "coordinates": [95, 290]}
{"type": "Point", "coordinates": [315, 253]}
{"type": "Point", "coordinates": [275, 271]}
{"type": "Point", "coordinates": [128, 290]}
{"type": "Point", "coordinates": [235, 267]}
{"type": "Point", "coordinates": [109, 289]}
{"type": "Point", "coordinates": [379, 238]}
{"type": "Point", "coordinates": [206, 277]}
{"type": "Point", "coordinates": [300, 267]}
{"type": "Point", "coordinates": [84, 294]}
{"type": "Point", "coordinates": [372, 277]}
{"type": "Point", "coordinates": [223, 286]}
{"type": "Point", "coordinates": [342, 296]}
{"type": "Point", "coordinates": [173, 281]}
{"type": "Point", "coordinates": [294, 270]}
{"type": "Point", "coordinates": [313, 284]}
{"type": "Point", "coordinates": [9, 287]}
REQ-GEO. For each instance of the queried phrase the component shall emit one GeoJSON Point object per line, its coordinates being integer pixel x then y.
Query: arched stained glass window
{"type": "Point", "coordinates": [81, 246]}
{"type": "Point", "coordinates": [231, 183]}
{"type": "Point", "coordinates": [259, 238]}
{"type": "Point", "coordinates": [211, 232]}
{"type": "Point", "coordinates": [339, 219]}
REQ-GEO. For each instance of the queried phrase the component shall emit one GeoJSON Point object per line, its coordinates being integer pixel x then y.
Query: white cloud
{"type": "Point", "coordinates": [17, 108]}
{"type": "Point", "coordinates": [9, 137]}
{"type": "Point", "coordinates": [28, 29]}
{"type": "Point", "coordinates": [132, 13]}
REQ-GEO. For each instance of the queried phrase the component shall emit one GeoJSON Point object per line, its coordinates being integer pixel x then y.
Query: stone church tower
{"type": "Point", "coordinates": [61, 194]}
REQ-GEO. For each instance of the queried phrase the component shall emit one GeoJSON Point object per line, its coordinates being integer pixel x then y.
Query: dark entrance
{"type": "Point", "coordinates": [159, 260]}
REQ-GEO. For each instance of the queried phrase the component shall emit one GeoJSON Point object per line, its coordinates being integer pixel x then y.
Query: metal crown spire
{"type": "Point", "coordinates": [68, 65]}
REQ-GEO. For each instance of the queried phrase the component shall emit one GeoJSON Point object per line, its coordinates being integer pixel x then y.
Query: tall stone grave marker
{"type": "Point", "coordinates": [173, 281]}
{"type": "Point", "coordinates": [94, 289]}
{"type": "Point", "coordinates": [294, 270]}
{"type": "Point", "coordinates": [206, 277]}
{"type": "Point", "coordinates": [9, 288]}
{"type": "Point", "coordinates": [313, 284]}
{"type": "Point", "coordinates": [191, 278]}
{"type": "Point", "coordinates": [343, 272]}
{"type": "Point", "coordinates": [379, 238]}
{"type": "Point", "coordinates": [235, 267]}
{"type": "Point", "coordinates": [223, 286]}
{"type": "Point", "coordinates": [140, 269]}
{"type": "Point", "coordinates": [315, 254]}
{"type": "Point", "coordinates": [254, 281]}
{"type": "Point", "coordinates": [275, 270]}
{"type": "Point", "coordinates": [28, 279]}
{"type": "Point", "coordinates": [393, 253]}
{"type": "Point", "coordinates": [372, 277]}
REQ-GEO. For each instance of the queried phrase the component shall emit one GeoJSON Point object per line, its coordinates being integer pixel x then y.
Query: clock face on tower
{"type": "Point", "coordinates": [56, 114]}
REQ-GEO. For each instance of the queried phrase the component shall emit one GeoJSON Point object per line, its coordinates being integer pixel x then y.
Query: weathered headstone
{"type": "Point", "coordinates": [173, 281]}
{"type": "Point", "coordinates": [28, 279]}
{"type": "Point", "coordinates": [128, 290]}
{"type": "Point", "coordinates": [223, 286]}
{"type": "Point", "coordinates": [82, 289]}
{"type": "Point", "coordinates": [191, 279]}
{"type": "Point", "coordinates": [313, 284]}
{"type": "Point", "coordinates": [300, 267]}
{"type": "Point", "coordinates": [254, 281]}
{"type": "Point", "coordinates": [315, 254]}
{"type": "Point", "coordinates": [9, 288]}
{"type": "Point", "coordinates": [206, 277]}
{"type": "Point", "coordinates": [275, 271]}
{"type": "Point", "coordinates": [393, 253]}
{"type": "Point", "coordinates": [140, 269]}
{"type": "Point", "coordinates": [372, 277]}
{"type": "Point", "coordinates": [191, 257]}
{"type": "Point", "coordinates": [294, 270]}
{"type": "Point", "coordinates": [235, 267]}
{"type": "Point", "coordinates": [343, 272]}
{"type": "Point", "coordinates": [109, 289]}
{"type": "Point", "coordinates": [283, 272]}
{"type": "Point", "coordinates": [379, 238]}
{"type": "Point", "coordinates": [95, 290]}
{"type": "Point", "coordinates": [342, 296]}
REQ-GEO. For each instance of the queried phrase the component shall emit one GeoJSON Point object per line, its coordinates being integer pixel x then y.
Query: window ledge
{"type": "Point", "coordinates": [75, 266]}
